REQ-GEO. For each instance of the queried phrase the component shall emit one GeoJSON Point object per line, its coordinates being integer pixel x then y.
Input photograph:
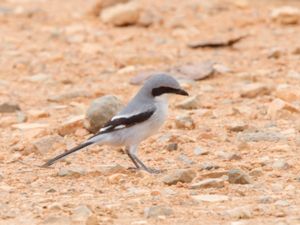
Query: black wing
{"type": "Point", "coordinates": [125, 122]}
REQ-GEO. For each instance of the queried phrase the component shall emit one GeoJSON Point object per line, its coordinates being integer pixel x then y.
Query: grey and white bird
{"type": "Point", "coordinates": [141, 118]}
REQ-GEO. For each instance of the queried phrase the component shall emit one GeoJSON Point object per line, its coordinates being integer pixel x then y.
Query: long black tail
{"type": "Point", "coordinates": [51, 161]}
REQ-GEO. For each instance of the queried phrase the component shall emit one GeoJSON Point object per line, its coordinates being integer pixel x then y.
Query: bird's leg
{"type": "Point", "coordinates": [130, 155]}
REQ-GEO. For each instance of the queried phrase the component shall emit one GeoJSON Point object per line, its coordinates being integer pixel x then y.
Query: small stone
{"type": "Point", "coordinates": [282, 203]}
{"type": "Point", "coordinates": [21, 117]}
{"type": "Point", "coordinates": [157, 211]}
{"type": "Point", "coordinates": [257, 172]}
{"type": "Point", "coordinates": [286, 15]}
{"type": "Point", "coordinates": [8, 107]}
{"type": "Point", "coordinates": [209, 166]}
{"type": "Point", "coordinates": [121, 14]}
{"type": "Point", "coordinates": [69, 95]}
{"type": "Point", "coordinates": [36, 113]}
{"type": "Point", "coordinates": [45, 144]}
{"type": "Point", "coordinates": [111, 169]}
{"type": "Point", "coordinates": [38, 77]}
{"type": "Point", "coordinates": [100, 111]}
{"type": "Point", "coordinates": [296, 51]}
{"type": "Point", "coordinates": [208, 183]}
{"type": "Point", "coordinates": [236, 176]}
{"type": "Point", "coordinates": [240, 213]}
{"type": "Point", "coordinates": [117, 178]}
{"type": "Point", "coordinates": [294, 74]}
{"type": "Point", "coordinates": [189, 103]}
{"type": "Point", "coordinates": [260, 136]}
{"type": "Point", "coordinates": [200, 151]}
{"type": "Point", "coordinates": [277, 108]}
{"type": "Point", "coordinates": [70, 125]}
{"type": "Point", "coordinates": [92, 220]}
{"type": "Point", "coordinates": [255, 89]}
{"type": "Point", "coordinates": [148, 18]}
{"type": "Point", "coordinates": [221, 69]}
{"type": "Point", "coordinates": [76, 172]}
{"type": "Point", "coordinates": [81, 213]}
{"type": "Point", "coordinates": [210, 198]}
{"type": "Point", "coordinates": [280, 164]}
{"type": "Point", "coordinates": [236, 126]}
{"type": "Point", "coordinates": [185, 159]}
{"type": "Point", "coordinates": [229, 155]}
{"type": "Point", "coordinates": [29, 126]}
{"type": "Point", "coordinates": [275, 53]}
{"type": "Point", "coordinates": [180, 175]}
{"type": "Point", "coordinates": [57, 220]}
{"type": "Point", "coordinates": [287, 93]}
{"type": "Point", "coordinates": [265, 199]}
{"type": "Point", "coordinates": [172, 147]}
{"type": "Point", "coordinates": [184, 122]}
{"type": "Point", "coordinates": [197, 71]}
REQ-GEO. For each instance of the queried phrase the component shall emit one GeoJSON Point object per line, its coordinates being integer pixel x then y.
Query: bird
{"type": "Point", "coordinates": [141, 118]}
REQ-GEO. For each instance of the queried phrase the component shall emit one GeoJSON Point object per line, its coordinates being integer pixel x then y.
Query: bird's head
{"type": "Point", "coordinates": [161, 84]}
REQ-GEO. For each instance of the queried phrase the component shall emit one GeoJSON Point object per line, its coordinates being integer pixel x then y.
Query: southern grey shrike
{"type": "Point", "coordinates": [141, 118]}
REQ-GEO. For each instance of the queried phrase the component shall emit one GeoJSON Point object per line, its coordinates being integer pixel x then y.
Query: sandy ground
{"type": "Point", "coordinates": [74, 52]}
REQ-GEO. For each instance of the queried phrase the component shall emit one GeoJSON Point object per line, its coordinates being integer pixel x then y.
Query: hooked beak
{"type": "Point", "coordinates": [181, 92]}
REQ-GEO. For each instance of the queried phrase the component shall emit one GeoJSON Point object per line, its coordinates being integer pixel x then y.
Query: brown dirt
{"type": "Point", "coordinates": [63, 40]}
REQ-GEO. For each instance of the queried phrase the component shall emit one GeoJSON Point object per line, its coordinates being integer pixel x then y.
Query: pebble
{"type": "Point", "coordinates": [229, 155]}
{"type": "Point", "coordinates": [184, 122]}
{"type": "Point", "coordinates": [197, 71]}
{"type": "Point", "coordinates": [184, 158]}
{"type": "Point", "coordinates": [257, 172]}
{"type": "Point", "coordinates": [172, 147]}
{"type": "Point", "coordinates": [70, 125]}
{"type": "Point", "coordinates": [282, 203]}
{"type": "Point", "coordinates": [9, 107]}
{"type": "Point", "coordinates": [57, 220]}
{"type": "Point", "coordinates": [200, 151]}
{"type": "Point", "coordinates": [29, 126]}
{"type": "Point", "coordinates": [210, 198]}
{"type": "Point", "coordinates": [69, 95]}
{"type": "Point", "coordinates": [76, 171]}
{"type": "Point", "coordinates": [255, 89]}
{"type": "Point", "coordinates": [189, 103]}
{"type": "Point", "coordinates": [275, 53]}
{"type": "Point", "coordinates": [236, 176]}
{"type": "Point", "coordinates": [110, 169]}
{"type": "Point", "coordinates": [100, 111]}
{"type": "Point", "coordinates": [280, 164]}
{"type": "Point", "coordinates": [92, 220]}
{"type": "Point", "coordinates": [180, 175]}
{"type": "Point", "coordinates": [121, 14]}
{"type": "Point", "coordinates": [278, 107]}
{"type": "Point", "coordinates": [209, 166]}
{"type": "Point", "coordinates": [286, 15]}
{"type": "Point", "coordinates": [37, 113]}
{"type": "Point", "coordinates": [41, 77]}
{"type": "Point", "coordinates": [81, 214]}
{"type": "Point", "coordinates": [240, 213]}
{"type": "Point", "coordinates": [157, 211]}
{"type": "Point", "coordinates": [265, 199]}
{"type": "Point", "coordinates": [294, 74]}
{"type": "Point", "coordinates": [260, 136]}
{"type": "Point", "coordinates": [208, 183]}
{"type": "Point", "coordinates": [45, 144]}
{"type": "Point", "coordinates": [236, 126]}
{"type": "Point", "coordinates": [287, 93]}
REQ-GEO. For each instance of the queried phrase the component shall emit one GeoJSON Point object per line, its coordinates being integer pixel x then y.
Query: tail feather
{"type": "Point", "coordinates": [77, 148]}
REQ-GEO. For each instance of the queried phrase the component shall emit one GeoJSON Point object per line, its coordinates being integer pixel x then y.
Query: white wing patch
{"type": "Point", "coordinates": [105, 128]}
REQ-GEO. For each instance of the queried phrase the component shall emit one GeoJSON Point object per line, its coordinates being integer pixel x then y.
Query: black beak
{"type": "Point", "coordinates": [181, 92]}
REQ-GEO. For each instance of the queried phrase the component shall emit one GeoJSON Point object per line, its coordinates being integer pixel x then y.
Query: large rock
{"type": "Point", "coordinates": [286, 15]}
{"type": "Point", "coordinates": [100, 111]}
{"type": "Point", "coordinates": [180, 175]}
{"type": "Point", "coordinates": [8, 107]}
{"type": "Point", "coordinates": [121, 14]}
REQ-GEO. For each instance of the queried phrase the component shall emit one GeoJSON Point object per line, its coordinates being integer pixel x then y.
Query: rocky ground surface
{"type": "Point", "coordinates": [229, 153]}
